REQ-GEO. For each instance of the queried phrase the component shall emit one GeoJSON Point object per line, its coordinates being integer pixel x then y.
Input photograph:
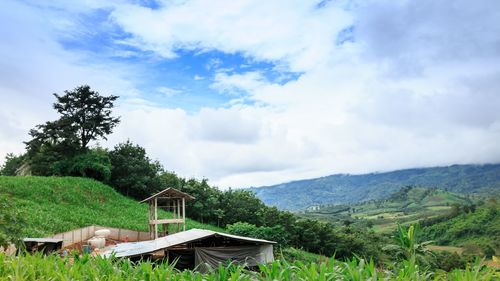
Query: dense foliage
{"type": "Point", "coordinates": [133, 173]}
{"type": "Point", "coordinates": [52, 267]}
{"type": "Point", "coordinates": [343, 189]}
{"type": "Point", "coordinates": [94, 163]}
{"type": "Point", "coordinates": [478, 230]}
{"type": "Point", "coordinates": [11, 164]}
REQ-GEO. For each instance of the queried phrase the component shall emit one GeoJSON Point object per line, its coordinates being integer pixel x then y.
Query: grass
{"type": "Point", "coordinates": [449, 249]}
{"type": "Point", "coordinates": [292, 254]}
{"type": "Point", "coordinates": [53, 267]}
{"type": "Point", "coordinates": [56, 204]}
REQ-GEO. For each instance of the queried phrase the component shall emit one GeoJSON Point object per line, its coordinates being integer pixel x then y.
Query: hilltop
{"type": "Point", "coordinates": [347, 189]}
{"type": "Point", "coordinates": [55, 204]}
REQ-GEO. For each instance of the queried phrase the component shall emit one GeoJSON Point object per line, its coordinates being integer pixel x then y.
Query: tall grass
{"type": "Point", "coordinates": [53, 267]}
{"type": "Point", "coordinates": [56, 204]}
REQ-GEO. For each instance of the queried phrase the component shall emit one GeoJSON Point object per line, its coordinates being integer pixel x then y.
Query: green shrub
{"type": "Point", "coordinates": [275, 233]}
{"type": "Point", "coordinates": [93, 164]}
{"type": "Point", "coordinates": [448, 261]}
{"type": "Point", "coordinates": [11, 164]}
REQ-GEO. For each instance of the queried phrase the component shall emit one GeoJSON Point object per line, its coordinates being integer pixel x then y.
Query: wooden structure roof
{"type": "Point", "coordinates": [170, 193]}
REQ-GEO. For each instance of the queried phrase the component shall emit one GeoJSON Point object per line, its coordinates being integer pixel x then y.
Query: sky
{"type": "Point", "coordinates": [250, 93]}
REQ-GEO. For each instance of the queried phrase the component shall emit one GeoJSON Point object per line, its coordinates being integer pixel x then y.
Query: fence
{"type": "Point", "coordinates": [85, 233]}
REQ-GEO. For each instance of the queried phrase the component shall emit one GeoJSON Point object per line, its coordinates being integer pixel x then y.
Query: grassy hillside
{"type": "Point", "coordinates": [409, 205]}
{"type": "Point", "coordinates": [345, 189]}
{"type": "Point", "coordinates": [56, 204]}
{"type": "Point", "coordinates": [481, 227]}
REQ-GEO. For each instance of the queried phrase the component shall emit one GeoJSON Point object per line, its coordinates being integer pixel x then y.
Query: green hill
{"type": "Point", "coordinates": [56, 204]}
{"type": "Point", "coordinates": [346, 189]}
{"type": "Point", "coordinates": [479, 227]}
{"type": "Point", "coordinates": [408, 205]}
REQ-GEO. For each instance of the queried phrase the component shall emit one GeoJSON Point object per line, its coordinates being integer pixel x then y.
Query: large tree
{"type": "Point", "coordinates": [85, 116]}
{"type": "Point", "coordinates": [86, 113]}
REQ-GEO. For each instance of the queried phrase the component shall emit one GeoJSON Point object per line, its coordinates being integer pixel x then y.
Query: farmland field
{"type": "Point", "coordinates": [407, 206]}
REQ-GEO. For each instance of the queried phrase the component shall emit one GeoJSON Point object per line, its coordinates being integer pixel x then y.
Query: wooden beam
{"type": "Point", "coordinates": [165, 221]}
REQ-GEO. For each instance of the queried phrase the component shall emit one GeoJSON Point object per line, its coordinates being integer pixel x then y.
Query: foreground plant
{"type": "Point", "coordinates": [53, 267]}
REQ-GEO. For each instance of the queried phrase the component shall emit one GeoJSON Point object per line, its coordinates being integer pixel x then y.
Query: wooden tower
{"type": "Point", "coordinates": [174, 202]}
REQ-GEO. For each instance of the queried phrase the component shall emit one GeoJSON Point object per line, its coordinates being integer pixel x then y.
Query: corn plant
{"type": "Point", "coordinates": [53, 267]}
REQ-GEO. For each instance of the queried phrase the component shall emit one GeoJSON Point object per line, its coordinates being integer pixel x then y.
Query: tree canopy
{"type": "Point", "coordinates": [85, 115]}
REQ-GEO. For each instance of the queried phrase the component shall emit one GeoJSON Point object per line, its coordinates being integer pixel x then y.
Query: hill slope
{"type": "Point", "coordinates": [481, 227]}
{"type": "Point", "coordinates": [409, 205]}
{"type": "Point", "coordinates": [344, 189]}
{"type": "Point", "coordinates": [56, 204]}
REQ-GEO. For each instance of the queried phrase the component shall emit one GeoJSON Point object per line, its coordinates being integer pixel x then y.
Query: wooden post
{"type": "Point", "coordinates": [150, 215]}
{"type": "Point", "coordinates": [156, 217]}
{"type": "Point", "coordinates": [184, 212]}
{"type": "Point", "coordinates": [174, 209]}
{"type": "Point", "coordinates": [178, 209]}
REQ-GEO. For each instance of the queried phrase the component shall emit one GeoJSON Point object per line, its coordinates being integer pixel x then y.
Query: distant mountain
{"type": "Point", "coordinates": [345, 188]}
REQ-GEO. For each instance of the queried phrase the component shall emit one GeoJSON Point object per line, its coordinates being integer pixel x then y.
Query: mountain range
{"type": "Point", "coordinates": [347, 188]}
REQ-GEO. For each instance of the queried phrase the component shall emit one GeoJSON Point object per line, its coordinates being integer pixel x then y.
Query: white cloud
{"type": "Point", "coordinates": [168, 92]}
{"type": "Point", "coordinates": [416, 86]}
{"type": "Point", "coordinates": [296, 32]}
{"type": "Point", "coordinates": [233, 83]}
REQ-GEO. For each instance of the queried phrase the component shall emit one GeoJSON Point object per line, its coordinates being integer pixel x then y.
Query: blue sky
{"type": "Point", "coordinates": [182, 81]}
{"type": "Point", "coordinates": [249, 93]}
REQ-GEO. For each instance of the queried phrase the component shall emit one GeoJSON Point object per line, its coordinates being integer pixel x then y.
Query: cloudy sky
{"type": "Point", "coordinates": [249, 93]}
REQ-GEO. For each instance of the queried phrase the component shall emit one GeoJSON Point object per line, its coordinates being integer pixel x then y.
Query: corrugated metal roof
{"type": "Point", "coordinates": [139, 248]}
{"type": "Point", "coordinates": [43, 240]}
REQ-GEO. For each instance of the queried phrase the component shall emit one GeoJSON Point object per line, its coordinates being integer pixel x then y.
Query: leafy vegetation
{"type": "Point", "coordinates": [133, 173]}
{"type": "Point", "coordinates": [477, 231]}
{"type": "Point", "coordinates": [11, 164]}
{"type": "Point", "coordinates": [346, 189]}
{"type": "Point", "coordinates": [61, 147]}
{"type": "Point", "coordinates": [407, 245]}
{"type": "Point", "coordinates": [53, 267]}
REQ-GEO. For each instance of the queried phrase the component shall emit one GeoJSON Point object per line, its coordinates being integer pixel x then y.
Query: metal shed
{"type": "Point", "coordinates": [200, 249]}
